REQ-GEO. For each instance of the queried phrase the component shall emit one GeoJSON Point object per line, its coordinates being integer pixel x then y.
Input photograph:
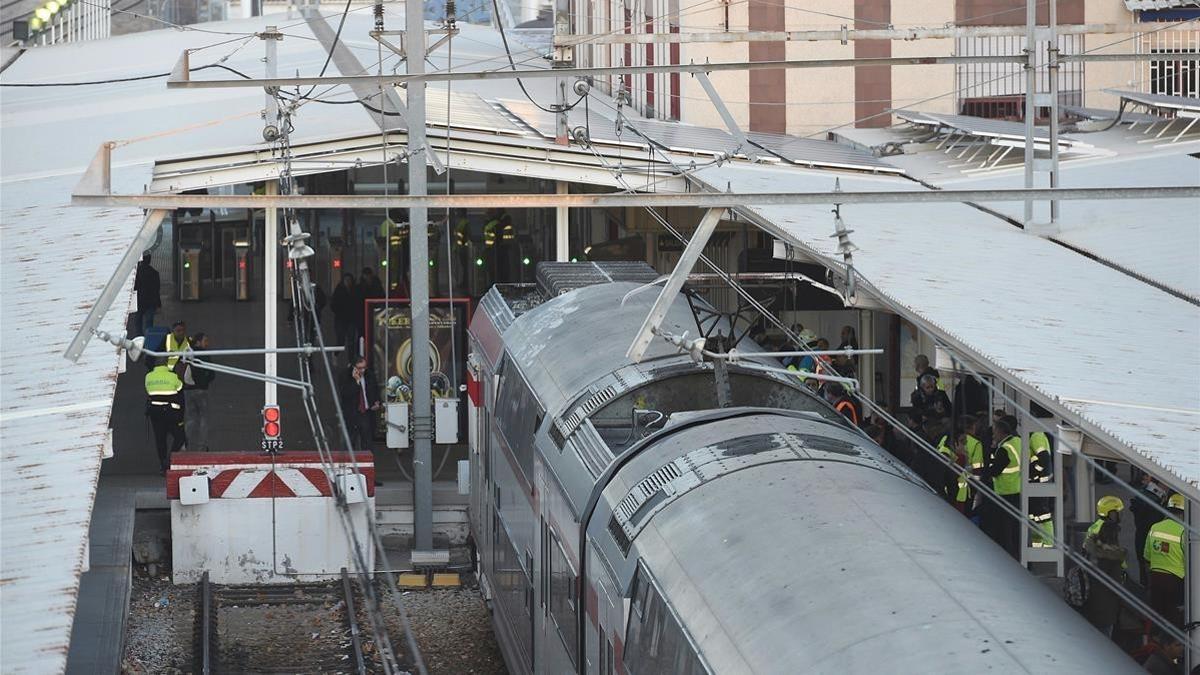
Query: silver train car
{"type": "Point", "coordinates": [626, 523]}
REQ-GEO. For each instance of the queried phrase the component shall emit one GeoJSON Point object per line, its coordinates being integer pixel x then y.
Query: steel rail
{"type": "Point", "coordinates": [206, 632]}
{"type": "Point", "coordinates": [360, 665]}
{"type": "Point", "coordinates": [180, 81]}
{"type": "Point", "coordinates": [626, 200]}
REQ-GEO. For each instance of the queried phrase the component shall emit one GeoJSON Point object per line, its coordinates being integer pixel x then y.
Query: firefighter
{"type": "Point", "coordinates": [1102, 544]}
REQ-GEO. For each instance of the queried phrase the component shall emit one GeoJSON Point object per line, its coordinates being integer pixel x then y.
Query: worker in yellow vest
{"type": "Point", "coordinates": [971, 449]}
{"type": "Point", "coordinates": [164, 407]}
{"type": "Point", "coordinates": [1004, 471]}
{"type": "Point", "coordinates": [1166, 556]}
{"type": "Point", "coordinates": [177, 341]}
{"type": "Point", "coordinates": [1041, 470]}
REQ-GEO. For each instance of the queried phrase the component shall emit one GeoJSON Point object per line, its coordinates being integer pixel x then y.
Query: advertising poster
{"type": "Point", "coordinates": [389, 344]}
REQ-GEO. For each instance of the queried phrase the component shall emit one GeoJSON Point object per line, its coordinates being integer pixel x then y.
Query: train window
{"type": "Point", "coordinates": [517, 415]}
{"type": "Point", "coordinates": [655, 642]}
{"type": "Point", "coordinates": [513, 589]}
{"type": "Point", "coordinates": [563, 597]}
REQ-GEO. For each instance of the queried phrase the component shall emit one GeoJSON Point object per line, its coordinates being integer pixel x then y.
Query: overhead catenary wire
{"type": "Point", "coordinates": [374, 609]}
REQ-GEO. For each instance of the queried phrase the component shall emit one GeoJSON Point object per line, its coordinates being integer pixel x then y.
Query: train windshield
{"type": "Point", "coordinates": [647, 408]}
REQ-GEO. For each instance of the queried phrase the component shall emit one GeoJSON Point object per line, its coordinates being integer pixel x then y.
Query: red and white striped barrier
{"type": "Point", "coordinates": [234, 475]}
{"type": "Point", "coordinates": [253, 518]}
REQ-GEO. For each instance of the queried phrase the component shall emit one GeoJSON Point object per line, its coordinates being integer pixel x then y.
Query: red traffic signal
{"type": "Point", "coordinates": [270, 426]}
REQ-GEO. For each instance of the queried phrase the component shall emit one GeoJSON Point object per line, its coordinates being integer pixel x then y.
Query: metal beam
{"type": "Point", "coordinates": [839, 35]}
{"type": "Point", "coordinates": [132, 254]}
{"type": "Point", "coordinates": [613, 71]}
{"type": "Point", "coordinates": [627, 200]}
{"type": "Point", "coordinates": [691, 253]}
{"type": "Point", "coordinates": [727, 117]}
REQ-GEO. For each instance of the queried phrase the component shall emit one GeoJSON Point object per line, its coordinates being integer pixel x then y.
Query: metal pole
{"type": "Point", "coordinates": [1191, 608]}
{"type": "Point", "coordinates": [270, 279]}
{"type": "Point", "coordinates": [658, 312]}
{"type": "Point", "coordinates": [623, 199]}
{"type": "Point", "coordinates": [422, 422]}
{"type": "Point", "coordinates": [909, 34]}
{"type": "Point", "coordinates": [1052, 63]}
{"type": "Point", "coordinates": [1030, 108]}
{"type": "Point", "coordinates": [128, 262]}
{"type": "Point", "coordinates": [562, 225]}
{"type": "Point", "coordinates": [246, 352]}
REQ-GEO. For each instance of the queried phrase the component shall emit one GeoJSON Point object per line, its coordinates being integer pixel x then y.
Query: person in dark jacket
{"type": "Point", "coordinates": [195, 394]}
{"type": "Point", "coordinates": [930, 401]}
{"type": "Point", "coordinates": [147, 285]}
{"type": "Point", "coordinates": [347, 313]}
{"type": "Point", "coordinates": [371, 286]}
{"type": "Point", "coordinates": [359, 396]}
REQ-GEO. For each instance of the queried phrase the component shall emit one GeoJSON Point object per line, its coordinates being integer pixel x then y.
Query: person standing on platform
{"type": "Point", "coordinates": [164, 407]}
{"type": "Point", "coordinates": [195, 395]}
{"type": "Point", "coordinates": [1004, 472]}
{"type": "Point", "coordinates": [1041, 470]}
{"type": "Point", "coordinates": [945, 480]}
{"type": "Point", "coordinates": [372, 287]}
{"type": "Point", "coordinates": [347, 314]}
{"type": "Point", "coordinates": [973, 456]}
{"type": "Point", "coordinates": [1103, 546]}
{"type": "Point", "coordinates": [921, 365]}
{"type": "Point", "coordinates": [1166, 555]}
{"type": "Point", "coordinates": [360, 403]}
{"type": "Point", "coordinates": [928, 400]}
{"type": "Point", "coordinates": [147, 285]}
{"type": "Point", "coordinates": [835, 393]}
{"type": "Point", "coordinates": [177, 341]}
{"type": "Point", "coordinates": [1144, 516]}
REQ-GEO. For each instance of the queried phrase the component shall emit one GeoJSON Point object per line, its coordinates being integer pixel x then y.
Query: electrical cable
{"type": "Point", "coordinates": [134, 78]}
{"type": "Point", "coordinates": [374, 611]}
{"type": "Point", "coordinates": [337, 36]}
{"type": "Point", "coordinates": [504, 38]}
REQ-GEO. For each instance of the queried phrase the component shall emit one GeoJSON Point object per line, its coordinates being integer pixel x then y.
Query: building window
{"type": "Point", "coordinates": [1174, 78]}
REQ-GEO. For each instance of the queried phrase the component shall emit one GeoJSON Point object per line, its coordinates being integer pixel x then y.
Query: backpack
{"type": "Point", "coordinates": [1076, 587]}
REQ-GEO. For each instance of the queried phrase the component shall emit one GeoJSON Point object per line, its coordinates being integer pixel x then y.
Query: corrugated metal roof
{"type": "Point", "coordinates": [1156, 239]}
{"type": "Point", "coordinates": [813, 152]}
{"type": "Point", "coordinates": [1188, 103]}
{"type": "Point", "coordinates": [692, 139]}
{"type": "Point", "coordinates": [975, 126]}
{"type": "Point", "coordinates": [1076, 330]}
{"type": "Point", "coordinates": [54, 416]}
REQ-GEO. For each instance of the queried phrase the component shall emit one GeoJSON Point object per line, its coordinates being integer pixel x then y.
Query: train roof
{"type": "Point", "coordinates": [809, 566]}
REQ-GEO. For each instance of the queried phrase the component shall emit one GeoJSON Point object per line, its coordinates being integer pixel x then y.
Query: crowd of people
{"type": "Point", "coordinates": [990, 446]}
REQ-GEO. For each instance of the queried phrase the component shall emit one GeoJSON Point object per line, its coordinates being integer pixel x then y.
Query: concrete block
{"type": "Point", "coordinates": [446, 580]}
{"type": "Point", "coordinates": [411, 580]}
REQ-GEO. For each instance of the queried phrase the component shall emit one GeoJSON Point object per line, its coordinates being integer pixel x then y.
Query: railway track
{"type": "Point", "coordinates": [294, 628]}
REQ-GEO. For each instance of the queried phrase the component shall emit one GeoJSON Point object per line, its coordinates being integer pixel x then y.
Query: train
{"type": "Point", "coordinates": [627, 519]}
